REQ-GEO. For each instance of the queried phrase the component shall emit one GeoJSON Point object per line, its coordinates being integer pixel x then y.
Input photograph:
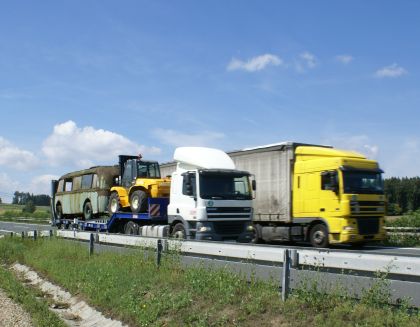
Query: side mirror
{"type": "Point", "coordinates": [254, 185]}
{"type": "Point", "coordinates": [189, 189]}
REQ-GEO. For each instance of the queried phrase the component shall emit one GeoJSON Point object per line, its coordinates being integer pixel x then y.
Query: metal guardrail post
{"type": "Point", "coordinates": [91, 244]}
{"type": "Point", "coordinates": [159, 252]}
{"type": "Point", "coordinates": [35, 235]}
{"type": "Point", "coordinates": [11, 234]}
{"type": "Point", "coordinates": [295, 258]}
{"type": "Point", "coordinates": [285, 282]}
{"type": "Point", "coordinates": [22, 235]}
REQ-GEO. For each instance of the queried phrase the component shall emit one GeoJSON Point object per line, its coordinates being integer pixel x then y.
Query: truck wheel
{"type": "Point", "coordinates": [138, 201]}
{"type": "Point", "coordinates": [59, 211]}
{"type": "Point", "coordinates": [257, 239]}
{"type": "Point", "coordinates": [318, 236]}
{"type": "Point", "coordinates": [179, 231]}
{"type": "Point", "coordinates": [87, 211]}
{"type": "Point", "coordinates": [131, 228]}
{"type": "Point", "coordinates": [113, 203]}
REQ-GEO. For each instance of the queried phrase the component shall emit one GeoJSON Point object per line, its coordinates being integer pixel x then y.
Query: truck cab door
{"type": "Point", "coordinates": [329, 204]}
{"type": "Point", "coordinates": [128, 175]}
{"type": "Point", "coordinates": [183, 200]}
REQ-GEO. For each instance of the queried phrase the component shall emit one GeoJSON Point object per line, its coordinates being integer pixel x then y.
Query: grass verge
{"type": "Point", "coordinates": [411, 219]}
{"type": "Point", "coordinates": [26, 297]}
{"type": "Point", "coordinates": [131, 288]}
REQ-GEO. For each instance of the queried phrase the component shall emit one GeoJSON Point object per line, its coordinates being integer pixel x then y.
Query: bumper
{"type": "Point", "coordinates": [355, 238]}
{"type": "Point", "coordinates": [208, 231]}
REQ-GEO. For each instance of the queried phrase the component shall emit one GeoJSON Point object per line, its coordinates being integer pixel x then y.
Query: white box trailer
{"type": "Point", "coordinates": [272, 166]}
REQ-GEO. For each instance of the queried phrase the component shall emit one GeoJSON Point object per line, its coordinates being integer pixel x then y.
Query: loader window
{"type": "Point", "coordinates": [148, 169]}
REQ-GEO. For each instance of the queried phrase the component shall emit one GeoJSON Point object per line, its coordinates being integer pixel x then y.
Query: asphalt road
{"type": "Point", "coordinates": [20, 227]}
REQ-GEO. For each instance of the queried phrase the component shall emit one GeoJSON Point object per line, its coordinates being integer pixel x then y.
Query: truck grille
{"type": "Point", "coordinates": [228, 209]}
{"type": "Point", "coordinates": [229, 212]}
{"type": "Point", "coordinates": [228, 227]}
{"type": "Point", "coordinates": [368, 225]}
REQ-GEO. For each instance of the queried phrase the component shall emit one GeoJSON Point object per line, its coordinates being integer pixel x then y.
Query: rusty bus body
{"type": "Point", "coordinates": [84, 193]}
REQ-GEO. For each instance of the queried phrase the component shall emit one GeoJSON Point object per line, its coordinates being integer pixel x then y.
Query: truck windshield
{"type": "Point", "coordinates": [363, 182]}
{"type": "Point", "coordinates": [148, 169]}
{"type": "Point", "coordinates": [225, 186]}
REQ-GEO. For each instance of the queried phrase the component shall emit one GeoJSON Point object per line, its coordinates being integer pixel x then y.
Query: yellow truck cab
{"type": "Point", "coordinates": [138, 180]}
{"type": "Point", "coordinates": [343, 189]}
{"type": "Point", "coordinates": [314, 193]}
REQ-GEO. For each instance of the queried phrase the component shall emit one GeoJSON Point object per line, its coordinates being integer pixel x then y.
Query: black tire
{"type": "Point", "coordinates": [179, 232]}
{"type": "Point", "coordinates": [131, 228]}
{"type": "Point", "coordinates": [138, 201]}
{"type": "Point", "coordinates": [113, 203]}
{"type": "Point", "coordinates": [87, 211]}
{"type": "Point", "coordinates": [318, 236]}
{"type": "Point", "coordinates": [257, 238]}
{"type": "Point", "coordinates": [58, 211]}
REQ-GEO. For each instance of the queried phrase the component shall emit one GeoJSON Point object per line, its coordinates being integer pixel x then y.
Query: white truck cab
{"type": "Point", "coordinates": [209, 198]}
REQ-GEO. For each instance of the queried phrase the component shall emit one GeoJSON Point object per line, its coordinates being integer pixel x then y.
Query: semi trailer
{"type": "Point", "coordinates": [209, 199]}
{"type": "Point", "coordinates": [313, 193]}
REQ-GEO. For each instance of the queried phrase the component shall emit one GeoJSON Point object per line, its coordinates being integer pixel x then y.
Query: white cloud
{"type": "Point", "coordinates": [357, 143]}
{"type": "Point", "coordinates": [393, 71]}
{"type": "Point", "coordinates": [344, 59]}
{"type": "Point", "coordinates": [13, 157]}
{"type": "Point", "coordinates": [41, 184]}
{"type": "Point", "coordinates": [86, 146]}
{"type": "Point", "coordinates": [306, 60]}
{"type": "Point", "coordinates": [309, 59]}
{"type": "Point", "coordinates": [403, 160]}
{"type": "Point", "coordinates": [7, 187]}
{"type": "Point", "coordinates": [177, 138]}
{"type": "Point", "coordinates": [255, 64]}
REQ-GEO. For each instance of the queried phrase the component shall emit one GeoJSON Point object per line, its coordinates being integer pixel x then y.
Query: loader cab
{"type": "Point", "coordinates": [132, 167]}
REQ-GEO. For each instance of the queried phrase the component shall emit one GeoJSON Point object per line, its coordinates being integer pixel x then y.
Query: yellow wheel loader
{"type": "Point", "coordinates": [138, 180]}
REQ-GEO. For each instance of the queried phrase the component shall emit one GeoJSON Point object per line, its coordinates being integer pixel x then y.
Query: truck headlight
{"type": "Point", "coordinates": [349, 228]}
{"type": "Point", "coordinates": [204, 229]}
{"type": "Point", "coordinates": [250, 228]}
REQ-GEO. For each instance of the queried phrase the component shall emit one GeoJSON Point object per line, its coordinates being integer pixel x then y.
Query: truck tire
{"type": "Point", "coordinates": [179, 232]}
{"type": "Point", "coordinates": [113, 203]}
{"type": "Point", "coordinates": [318, 236]}
{"type": "Point", "coordinates": [257, 237]}
{"type": "Point", "coordinates": [131, 228]}
{"type": "Point", "coordinates": [87, 211]}
{"type": "Point", "coordinates": [138, 201]}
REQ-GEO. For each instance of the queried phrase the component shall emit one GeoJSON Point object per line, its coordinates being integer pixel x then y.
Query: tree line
{"type": "Point", "coordinates": [25, 197]}
{"type": "Point", "coordinates": [403, 194]}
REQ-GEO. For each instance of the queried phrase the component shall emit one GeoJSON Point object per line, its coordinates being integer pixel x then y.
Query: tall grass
{"type": "Point", "coordinates": [131, 288]}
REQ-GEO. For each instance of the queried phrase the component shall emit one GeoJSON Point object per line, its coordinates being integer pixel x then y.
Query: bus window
{"type": "Point", "coordinates": [87, 181]}
{"type": "Point", "coordinates": [68, 186]}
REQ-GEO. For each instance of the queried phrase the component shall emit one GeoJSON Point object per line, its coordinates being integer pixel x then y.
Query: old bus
{"type": "Point", "coordinates": [84, 193]}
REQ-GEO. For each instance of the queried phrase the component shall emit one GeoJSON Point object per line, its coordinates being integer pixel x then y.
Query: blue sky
{"type": "Point", "coordinates": [81, 81]}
